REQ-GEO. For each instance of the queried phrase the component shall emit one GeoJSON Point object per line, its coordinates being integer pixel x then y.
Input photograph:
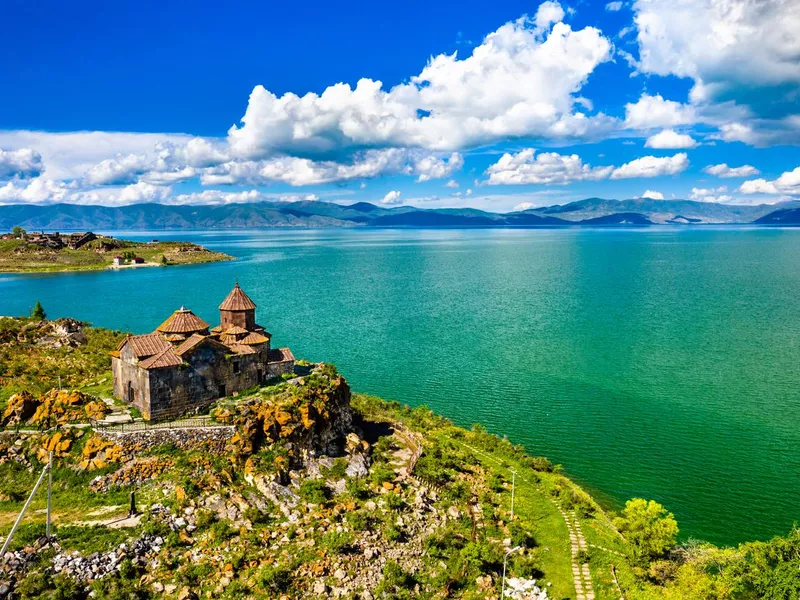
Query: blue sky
{"type": "Point", "coordinates": [490, 105]}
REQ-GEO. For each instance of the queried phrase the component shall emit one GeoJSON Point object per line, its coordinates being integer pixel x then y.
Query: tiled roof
{"type": "Point", "coordinates": [280, 355]}
{"type": "Point", "coordinates": [235, 330]}
{"type": "Point", "coordinates": [146, 345]}
{"type": "Point", "coordinates": [241, 349]}
{"type": "Point", "coordinates": [166, 358]}
{"type": "Point", "coordinates": [237, 300]}
{"type": "Point", "coordinates": [183, 321]}
{"type": "Point", "coordinates": [189, 344]}
{"type": "Point", "coordinates": [175, 337]}
{"type": "Point", "coordinates": [255, 338]}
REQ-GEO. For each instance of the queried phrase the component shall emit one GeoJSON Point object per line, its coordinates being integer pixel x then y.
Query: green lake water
{"type": "Point", "coordinates": [658, 362]}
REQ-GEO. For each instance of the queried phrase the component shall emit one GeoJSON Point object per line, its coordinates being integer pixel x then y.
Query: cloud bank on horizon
{"type": "Point", "coordinates": [709, 90]}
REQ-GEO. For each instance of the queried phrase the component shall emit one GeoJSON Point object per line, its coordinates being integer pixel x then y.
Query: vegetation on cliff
{"type": "Point", "coordinates": [300, 489]}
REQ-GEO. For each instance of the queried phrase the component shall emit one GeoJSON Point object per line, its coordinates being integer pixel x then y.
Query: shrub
{"type": "Point", "coordinates": [314, 491]}
{"type": "Point", "coordinates": [394, 501]}
{"type": "Point", "coordinates": [205, 518]}
{"type": "Point", "coordinates": [649, 527]}
{"type": "Point", "coordinates": [395, 581]}
{"type": "Point", "coordinates": [380, 473]}
{"type": "Point", "coordinates": [337, 542]}
{"type": "Point", "coordinates": [222, 530]}
{"type": "Point", "coordinates": [275, 578]}
{"type": "Point", "coordinates": [357, 489]}
{"type": "Point", "coordinates": [392, 533]}
{"type": "Point", "coordinates": [359, 520]}
{"type": "Point", "coordinates": [338, 470]}
{"type": "Point", "coordinates": [38, 312]}
{"type": "Point", "coordinates": [521, 536]}
{"type": "Point", "coordinates": [459, 491]}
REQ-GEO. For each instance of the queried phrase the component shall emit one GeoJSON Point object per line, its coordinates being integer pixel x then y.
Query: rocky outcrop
{"type": "Point", "coordinates": [20, 408]}
{"type": "Point", "coordinates": [309, 417]}
{"type": "Point", "coordinates": [56, 407]}
{"type": "Point", "coordinates": [53, 334]}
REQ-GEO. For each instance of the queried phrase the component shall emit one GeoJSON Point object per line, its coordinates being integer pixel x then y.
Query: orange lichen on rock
{"type": "Point", "coordinates": [21, 407]}
{"type": "Point", "coordinates": [59, 444]}
{"type": "Point", "coordinates": [57, 407]}
{"type": "Point", "coordinates": [98, 453]}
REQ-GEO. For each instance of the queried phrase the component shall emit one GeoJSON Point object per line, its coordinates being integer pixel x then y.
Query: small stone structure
{"type": "Point", "coordinates": [184, 365]}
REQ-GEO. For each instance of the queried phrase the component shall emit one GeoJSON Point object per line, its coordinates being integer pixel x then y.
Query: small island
{"type": "Point", "coordinates": [36, 252]}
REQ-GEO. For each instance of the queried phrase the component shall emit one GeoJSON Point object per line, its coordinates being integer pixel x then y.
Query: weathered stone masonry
{"type": "Point", "coordinates": [183, 365]}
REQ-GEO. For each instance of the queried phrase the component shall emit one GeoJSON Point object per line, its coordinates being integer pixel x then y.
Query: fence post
{"type": "Point", "coordinates": [49, 491]}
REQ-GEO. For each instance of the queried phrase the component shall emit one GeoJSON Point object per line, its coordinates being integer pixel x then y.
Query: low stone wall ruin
{"type": "Point", "coordinates": [211, 439]}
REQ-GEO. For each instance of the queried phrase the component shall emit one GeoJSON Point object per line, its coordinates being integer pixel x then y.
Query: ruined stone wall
{"type": "Point", "coordinates": [213, 439]}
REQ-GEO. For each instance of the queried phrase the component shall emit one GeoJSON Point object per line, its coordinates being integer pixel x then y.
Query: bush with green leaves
{"type": "Point", "coordinates": [357, 488]}
{"type": "Point", "coordinates": [649, 528]}
{"type": "Point", "coordinates": [276, 579]}
{"type": "Point", "coordinates": [396, 583]}
{"type": "Point", "coordinates": [521, 536]}
{"type": "Point", "coordinates": [314, 491]}
{"type": "Point", "coordinates": [359, 520]}
{"type": "Point", "coordinates": [337, 542]}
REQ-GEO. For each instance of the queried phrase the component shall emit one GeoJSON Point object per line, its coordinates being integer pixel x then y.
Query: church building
{"type": "Point", "coordinates": [184, 365]}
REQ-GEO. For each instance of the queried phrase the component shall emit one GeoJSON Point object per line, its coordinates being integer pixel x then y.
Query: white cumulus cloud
{"type": "Point", "coordinates": [652, 166]}
{"type": "Point", "coordinates": [650, 194]}
{"type": "Point", "coordinates": [711, 194]}
{"type": "Point", "coordinates": [723, 170]}
{"type": "Point", "coordinates": [118, 170]}
{"type": "Point", "coordinates": [434, 167]}
{"type": "Point", "coordinates": [521, 81]}
{"type": "Point", "coordinates": [650, 112]}
{"type": "Point", "coordinates": [669, 139]}
{"type": "Point", "coordinates": [392, 197]}
{"type": "Point", "coordinates": [69, 155]}
{"type": "Point", "coordinates": [526, 167]}
{"type": "Point", "coordinates": [788, 183]}
{"type": "Point", "coordinates": [21, 163]}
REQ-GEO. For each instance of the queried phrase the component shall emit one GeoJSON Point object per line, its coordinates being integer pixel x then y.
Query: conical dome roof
{"type": "Point", "coordinates": [237, 300]}
{"type": "Point", "coordinates": [183, 321]}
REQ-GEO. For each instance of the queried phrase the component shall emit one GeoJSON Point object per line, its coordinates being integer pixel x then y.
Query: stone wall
{"type": "Point", "coordinates": [125, 372]}
{"type": "Point", "coordinates": [212, 439]}
{"type": "Point", "coordinates": [210, 375]}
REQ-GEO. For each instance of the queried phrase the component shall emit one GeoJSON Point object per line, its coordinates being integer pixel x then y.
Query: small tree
{"type": "Point", "coordinates": [649, 527]}
{"type": "Point", "coordinates": [163, 259]}
{"type": "Point", "coordinates": [38, 312]}
{"type": "Point", "coordinates": [18, 231]}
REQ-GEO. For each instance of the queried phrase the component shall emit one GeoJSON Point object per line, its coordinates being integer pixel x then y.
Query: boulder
{"type": "Point", "coordinates": [20, 408]}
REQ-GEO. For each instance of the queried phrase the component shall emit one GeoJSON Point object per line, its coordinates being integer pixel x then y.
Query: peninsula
{"type": "Point", "coordinates": [34, 252]}
{"type": "Point", "coordinates": [295, 487]}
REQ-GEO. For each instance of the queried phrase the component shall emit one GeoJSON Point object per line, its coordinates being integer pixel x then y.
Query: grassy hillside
{"type": "Point", "coordinates": [312, 492]}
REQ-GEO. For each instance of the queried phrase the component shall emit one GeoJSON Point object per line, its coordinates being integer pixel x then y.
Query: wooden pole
{"type": "Point", "coordinates": [49, 492]}
{"type": "Point", "coordinates": [22, 513]}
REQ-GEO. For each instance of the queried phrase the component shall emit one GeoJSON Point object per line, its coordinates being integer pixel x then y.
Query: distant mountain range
{"type": "Point", "coordinates": [591, 212]}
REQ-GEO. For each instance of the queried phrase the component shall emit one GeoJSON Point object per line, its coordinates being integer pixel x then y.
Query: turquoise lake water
{"type": "Point", "coordinates": [658, 362]}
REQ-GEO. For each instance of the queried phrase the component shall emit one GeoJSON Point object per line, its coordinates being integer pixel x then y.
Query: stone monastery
{"type": "Point", "coordinates": [183, 365]}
